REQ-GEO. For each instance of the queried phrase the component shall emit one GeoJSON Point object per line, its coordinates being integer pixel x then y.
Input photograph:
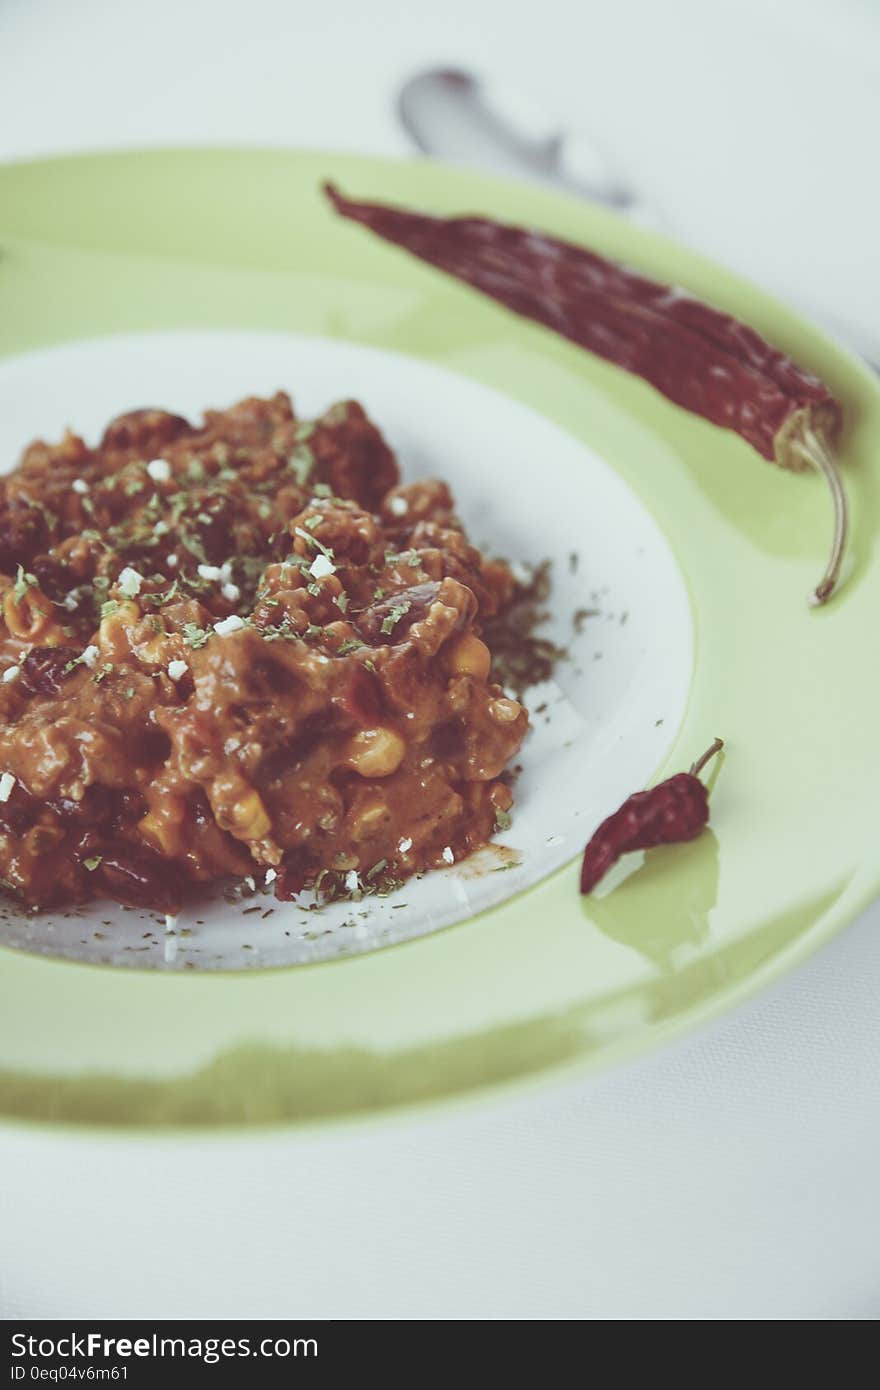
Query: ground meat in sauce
{"type": "Point", "coordinates": [240, 647]}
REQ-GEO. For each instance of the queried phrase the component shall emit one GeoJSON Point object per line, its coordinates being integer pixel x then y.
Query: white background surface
{"type": "Point", "coordinates": [732, 1176]}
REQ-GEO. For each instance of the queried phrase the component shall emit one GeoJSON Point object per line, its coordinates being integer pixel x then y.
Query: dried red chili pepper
{"type": "Point", "coordinates": [702, 359]}
{"type": "Point", "coordinates": [673, 811]}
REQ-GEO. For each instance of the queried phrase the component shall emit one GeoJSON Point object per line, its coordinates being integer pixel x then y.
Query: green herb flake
{"type": "Point", "coordinates": [301, 463]}
{"type": "Point", "coordinates": [159, 600]}
{"type": "Point", "coordinates": [376, 869]}
{"type": "Point", "coordinates": [47, 514]}
{"type": "Point", "coordinates": [92, 863]}
{"type": "Point", "coordinates": [194, 636]}
{"type": "Point", "coordinates": [313, 540]}
{"type": "Point", "coordinates": [503, 820]}
{"type": "Point", "coordinates": [394, 617]}
{"type": "Point", "coordinates": [23, 582]}
{"type": "Point", "coordinates": [193, 544]}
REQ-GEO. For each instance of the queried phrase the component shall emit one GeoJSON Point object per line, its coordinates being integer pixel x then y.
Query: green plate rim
{"type": "Point", "coordinates": [110, 1103]}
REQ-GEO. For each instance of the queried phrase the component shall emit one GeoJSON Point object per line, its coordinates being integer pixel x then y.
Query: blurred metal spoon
{"type": "Point", "coordinates": [452, 114]}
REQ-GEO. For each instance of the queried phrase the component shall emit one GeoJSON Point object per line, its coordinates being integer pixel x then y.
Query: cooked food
{"type": "Point", "coordinates": [241, 647]}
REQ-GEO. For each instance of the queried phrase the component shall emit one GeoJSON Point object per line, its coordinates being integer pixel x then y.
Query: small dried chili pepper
{"type": "Point", "coordinates": [702, 359]}
{"type": "Point", "coordinates": [673, 811]}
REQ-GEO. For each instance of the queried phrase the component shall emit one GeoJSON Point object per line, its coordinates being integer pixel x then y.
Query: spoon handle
{"type": "Point", "coordinates": [452, 115]}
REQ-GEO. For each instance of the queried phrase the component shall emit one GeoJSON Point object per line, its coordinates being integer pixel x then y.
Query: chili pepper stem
{"type": "Point", "coordinates": [715, 747]}
{"type": "Point", "coordinates": [814, 450]}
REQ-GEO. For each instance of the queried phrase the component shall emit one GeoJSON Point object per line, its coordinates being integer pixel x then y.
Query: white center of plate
{"type": "Point", "coordinates": [526, 490]}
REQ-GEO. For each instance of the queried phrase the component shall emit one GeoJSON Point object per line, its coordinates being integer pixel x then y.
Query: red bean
{"type": "Point", "coordinates": [298, 865]}
{"type": "Point", "coordinates": [146, 431]}
{"type": "Point", "coordinates": [137, 877]}
{"type": "Point", "coordinates": [20, 811]}
{"type": "Point", "coordinates": [44, 669]}
{"type": "Point", "coordinates": [363, 697]}
{"type": "Point", "coordinates": [97, 806]}
{"type": "Point", "coordinates": [389, 620]}
{"type": "Point", "coordinates": [54, 579]}
{"type": "Point", "coordinates": [23, 534]}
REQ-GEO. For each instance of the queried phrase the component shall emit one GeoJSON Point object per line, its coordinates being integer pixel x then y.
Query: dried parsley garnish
{"type": "Point", "coordinates": [195, 636]}
{"type": "Point", "coordinates": [301, 463]}
{"type": "Point", "coordinates": [23, 582]}
{"type": "Point", "coordinates": [398, 611]}
{"type": "Point", "coordinates": [520, 656]}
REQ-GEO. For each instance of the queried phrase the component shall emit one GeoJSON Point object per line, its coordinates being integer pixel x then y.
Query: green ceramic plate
{"type": "Point", "coordinates": [201, 274]}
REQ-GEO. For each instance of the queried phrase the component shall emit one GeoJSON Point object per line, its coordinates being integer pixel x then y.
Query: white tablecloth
{"type": "Point", "coordinates": [733, 1175]}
